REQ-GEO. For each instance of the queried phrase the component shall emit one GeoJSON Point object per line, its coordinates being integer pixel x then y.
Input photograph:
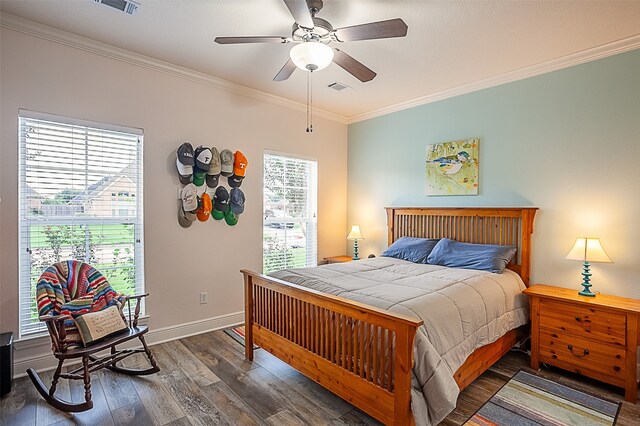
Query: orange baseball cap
{"type": "Point", "coordinates": [239, 164]}
{"type": "Point", "coordinates": [204, 210]}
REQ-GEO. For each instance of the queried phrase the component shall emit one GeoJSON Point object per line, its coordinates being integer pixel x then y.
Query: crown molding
{"type": "Point", "coordinates": [65, 38]}
{"type": "Point", "coordinates": [45, 32]}
{"type": "Point", "coordinates": [588, 55]}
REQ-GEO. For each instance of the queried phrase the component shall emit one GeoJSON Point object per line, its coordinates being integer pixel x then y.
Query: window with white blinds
{"type": "Point", "coordinates": [80, 197]}
{"type": "Point", "coordinates": [290, 228]}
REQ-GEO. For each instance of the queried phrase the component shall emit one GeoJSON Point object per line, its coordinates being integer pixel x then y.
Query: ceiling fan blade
{"type": "Point", "coordinates": [259, 39]}
{"type": "Point", "coordinates": [381, 29]}
{"type": "Point", "coordinates": [286, 71]}
{"type": "Point", "coordinates": [300, 12]}
{"type": "Point", "coordinates": [352, 66]}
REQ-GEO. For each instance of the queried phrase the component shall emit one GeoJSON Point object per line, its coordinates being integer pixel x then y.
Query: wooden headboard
{"type": "Point", "coordinates": [478, 225]}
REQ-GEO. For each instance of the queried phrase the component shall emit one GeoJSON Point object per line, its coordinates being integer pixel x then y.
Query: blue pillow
{"type": "Point", "coordinates": [485, 257]}
{"type": "Point", "coordinates": [412, 249]}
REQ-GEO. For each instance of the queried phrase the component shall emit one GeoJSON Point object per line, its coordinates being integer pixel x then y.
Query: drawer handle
{"type": "Point", "coordinates": [585, 353]}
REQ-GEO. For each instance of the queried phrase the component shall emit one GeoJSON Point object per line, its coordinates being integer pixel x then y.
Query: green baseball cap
{"type": "Point", "coordinates": [217, 214]}
{"type": "Point", "coordinates": [199, 177]}
{"type": "Point", "coordinates": [230, 217]}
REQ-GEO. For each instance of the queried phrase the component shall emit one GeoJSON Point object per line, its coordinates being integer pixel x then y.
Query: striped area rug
{"type": "Point", "coordinates": [528, 399]}
{"type": "Point", "coordinates": [237, 334]}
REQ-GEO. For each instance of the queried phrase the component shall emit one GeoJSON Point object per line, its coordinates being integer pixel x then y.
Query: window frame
{"type": "Point", "coordinates": [34, 329]}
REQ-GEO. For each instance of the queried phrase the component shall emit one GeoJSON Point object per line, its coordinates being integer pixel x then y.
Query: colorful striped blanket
{"type": "Point", "coordinates": [74, 288]}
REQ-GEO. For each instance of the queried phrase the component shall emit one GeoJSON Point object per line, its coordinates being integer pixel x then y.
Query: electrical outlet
{"type": "Point", "coordinates": [204, 298]}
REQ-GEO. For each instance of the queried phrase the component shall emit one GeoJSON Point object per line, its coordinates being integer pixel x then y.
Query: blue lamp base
{"type": "Point", "coordinates": [586, 281]}
{"type": "Point", "coordinates": [355, 250]}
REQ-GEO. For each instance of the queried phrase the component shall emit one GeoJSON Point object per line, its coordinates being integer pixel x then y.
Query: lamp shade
{"type": "Point", "coordinates": [355, 233]}
{"type": "Point", "coordinates": [588, 250]}
{"type": "Point", "coordinates": [311, 55]}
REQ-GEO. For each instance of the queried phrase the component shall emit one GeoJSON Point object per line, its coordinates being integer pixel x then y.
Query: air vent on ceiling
{"type": "Point", "coordinates": [127, 6]}
{"type": "Point", "coordinates": [340, 87]}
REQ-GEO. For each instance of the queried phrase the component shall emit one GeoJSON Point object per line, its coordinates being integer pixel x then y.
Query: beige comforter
{"type": "Point", "coordinates": [462, 309]}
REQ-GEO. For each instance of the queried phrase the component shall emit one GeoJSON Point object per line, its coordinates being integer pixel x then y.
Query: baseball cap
{"type": "Point", "coordinates": [203, 157]}
{"type": "Point", "coordinates": [212, 180]}
{"type": "Point", "coordinates": [185, 180]}
{"type": "Point", "coordinates": [184, 172]}
{"type": "Point", "coordinates": [226, 160]}
{"type": "Point", "coordinates": [215, 166]}
{"type": "Point", "coordinates": [240, 164]}
{"type": "Point", "coordinates": [190, 216]}
{"type": "Point", "coordinates": [221, 199]}
{"type": "Point", "coordinates": [198, 177]}
{"type": "Point", "coordinates": [183, 169]}
{"type": "Point", "coordinates": [217, 214]}
{"type": "Point", "coordinates": [230, 217]}
{"type": "Point", "coordinates": [189, 198]}
{"type": "Point", "coordinates": [183, 220]}
{"type": "Point", "coordinates": [204, 210]}
{"type": "Point", "coordinates": [185, 154]}
{"type": "Point", "coordinates": [236, 203]}
{"type": "Point", "coordinates": [235, 181]}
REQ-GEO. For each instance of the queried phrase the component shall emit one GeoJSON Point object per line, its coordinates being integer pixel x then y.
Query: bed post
{"type": "Point", "coordinates": [390, 214]}
{"type": "Point", "coordinates": [528, 214]}
{"type": "Point", "coordinates": [248, 317]}
{"type": "Point", "coordinates": [403, 364]}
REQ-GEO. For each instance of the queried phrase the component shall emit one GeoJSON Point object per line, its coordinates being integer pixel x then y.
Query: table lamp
{"type": "Point", "coordinates": [588, 250]}
{"type": "Point", "coordinates": [355, 235]}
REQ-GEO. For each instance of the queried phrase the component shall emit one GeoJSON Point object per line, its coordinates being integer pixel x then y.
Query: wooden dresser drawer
{"type": "Point", "coordinates": [595, 336]}
{"type": "Point", "coordinates": [584, 356]}
{"type": "Point", "coordinates": [582, 321]}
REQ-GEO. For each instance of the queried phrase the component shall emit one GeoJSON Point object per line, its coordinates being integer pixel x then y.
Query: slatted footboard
{"type": "Point", "coordinates": [360, 353]}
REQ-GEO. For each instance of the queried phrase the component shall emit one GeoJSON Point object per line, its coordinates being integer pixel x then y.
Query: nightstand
{"type": "Point", "coordinates": [594, 336]}
{"type": "Point", "coordinates": [338, 259]}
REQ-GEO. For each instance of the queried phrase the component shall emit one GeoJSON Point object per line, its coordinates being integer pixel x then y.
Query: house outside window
{"type": "Point", "coordinates": [290, 223]}
{"type": "Point", "coordinates": [73, 177]}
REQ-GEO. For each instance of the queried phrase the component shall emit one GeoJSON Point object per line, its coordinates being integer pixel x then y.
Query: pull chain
{"type": "Point", "coordinates": [308, 76]}
{"type": "Point", "coordinates": [309, 103]}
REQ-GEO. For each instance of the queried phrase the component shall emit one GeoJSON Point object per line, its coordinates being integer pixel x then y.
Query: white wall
{"type": "Point", "coordinates": [567, 142]}
{"type": "Point", "coordinates": [45, 76]}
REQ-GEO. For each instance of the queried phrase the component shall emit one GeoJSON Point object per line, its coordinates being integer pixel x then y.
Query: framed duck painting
{"type": "Point", "coordinates": [452, 168]}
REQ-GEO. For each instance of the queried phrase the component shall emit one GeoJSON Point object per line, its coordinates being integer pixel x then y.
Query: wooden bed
{"type": "Point", "coordinates": [303, 327]}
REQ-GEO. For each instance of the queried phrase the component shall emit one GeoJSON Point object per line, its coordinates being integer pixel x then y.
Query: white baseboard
{"type": "Point", "coordinates": [36, 353]}
{"type": "Point", "coordinates": [181, 331]}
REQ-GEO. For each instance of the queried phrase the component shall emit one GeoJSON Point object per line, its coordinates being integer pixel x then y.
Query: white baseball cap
{"type": "Point", "coordinates": [184, 169]}
{"type": "Point", "coordinates": [189, 197]}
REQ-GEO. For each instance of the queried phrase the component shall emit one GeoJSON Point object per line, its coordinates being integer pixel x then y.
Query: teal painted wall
{"type": "Point", "coordinates": [567, 142]}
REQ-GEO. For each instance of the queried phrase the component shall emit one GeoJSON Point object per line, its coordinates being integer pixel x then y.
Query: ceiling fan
{"type": "Point", "coordinates": [312, 35]}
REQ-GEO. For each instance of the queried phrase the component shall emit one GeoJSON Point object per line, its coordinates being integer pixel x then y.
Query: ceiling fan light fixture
{"type": "Point", "coordinates": [311, 55]}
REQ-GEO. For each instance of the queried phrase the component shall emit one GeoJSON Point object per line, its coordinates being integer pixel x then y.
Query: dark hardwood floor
{"type": "Point", "coordinates": [205, 380]}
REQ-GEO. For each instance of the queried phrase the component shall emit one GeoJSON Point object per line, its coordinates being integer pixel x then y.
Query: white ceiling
{"type": "Point", "coordinates": [449, 43]}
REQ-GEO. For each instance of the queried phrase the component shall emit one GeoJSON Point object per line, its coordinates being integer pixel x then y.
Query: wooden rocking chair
{"type": "Point", "coordinates": [73, 278]}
